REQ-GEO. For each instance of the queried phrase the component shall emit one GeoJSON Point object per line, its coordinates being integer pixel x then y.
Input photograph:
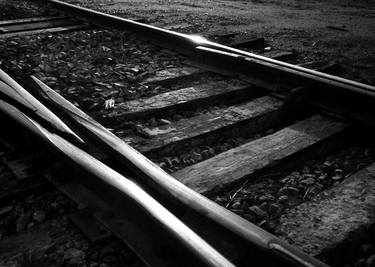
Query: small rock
{"type": "Point", "coordinates": [164, 121]}
{"type": "Point", "coordinates": [175, 161]}
{"type": "Point", "coordinates": [283, 199]}
{"type": "Point", "coordinates": [292, 190]}
{"type": "Point", "coordinates": [196, 156]}
{"type": "Point", "coordinates": [236, 205]}
{"type": "Point", "coordinates": [168, 161]}
{"type": "Point", "coordinates": [284, 190]}
{"type": "Point", "coordinates": [163, 165]}
{"type": "Point", "coordinates": [142, 131]}
{"type": "Point", "coordinates": [263, 198]}
{"type": "Point", "coordinates": [257, 211]}
{"type": "Point", "coordinates": [220, 199]}
{"type": "Point", "coordinates": [106, 49]}
{"type": "Point", "coordinates": [135, 69]}
{"type": "Point", "coordinates": [308, 181]}
{"type": "Point", "coordinates": [211, 151]}
{"type": "Point", "coordinates": [295, 175]}
{"type": "Point", "coordinates": [336, 177]}
{"type": "Point", "coordinates": [186, 161]}
{"type": "Point", "coordinates": [285, 180]}
{"type": "Point", "coordinates": [205, 154]}
{"type": "Point", "coordinates": [306, 171]}
{"type": "Point", "coordinates": [339, 172]}
{"type": "Point", "coordinates": [322, 177]}
{"type": "Point", "coordinates": [327, 165]}
{"type": "Point", "coordinates": [120, 84]}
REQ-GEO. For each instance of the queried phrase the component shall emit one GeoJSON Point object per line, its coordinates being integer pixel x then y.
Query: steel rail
{"type": "Point", "coordinates": [183, 237]}
{"type": "Point", "coordinates": [197, 45]}
{"type": "Point", "coordinates": [11, 89]}
{"type": "Point", "coordinates": [154, 179]}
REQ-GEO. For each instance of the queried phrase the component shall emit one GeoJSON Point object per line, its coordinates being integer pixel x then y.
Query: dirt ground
{"type": "Point", "coordinates": [341, 31]}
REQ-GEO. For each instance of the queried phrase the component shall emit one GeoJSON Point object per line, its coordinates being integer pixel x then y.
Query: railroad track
{"type": "Point", "coordinates": [277, 120]}
{"type": "Point", "coordinates": [53, 24]}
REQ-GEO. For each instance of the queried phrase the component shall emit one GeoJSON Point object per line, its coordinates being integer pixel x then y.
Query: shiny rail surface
{"type": "Point", "coordinates": [193, 44]}
{"type": "Point", "coordinates": [357, 98]}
